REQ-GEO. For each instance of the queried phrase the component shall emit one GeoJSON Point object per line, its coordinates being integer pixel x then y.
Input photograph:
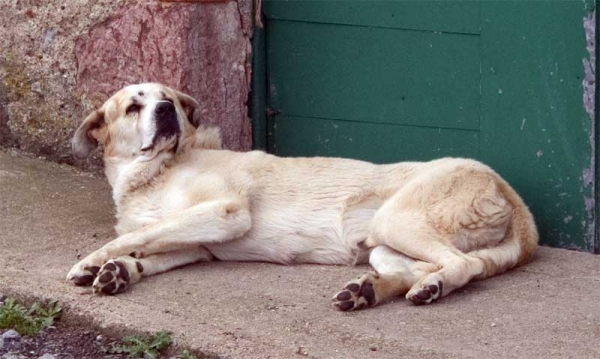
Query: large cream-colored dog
{"type": "Point", "coordinates": [426, 228]}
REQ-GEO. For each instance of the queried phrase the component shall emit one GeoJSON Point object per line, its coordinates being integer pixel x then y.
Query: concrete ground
{"type": "Point", "coordinates": [51, 214]}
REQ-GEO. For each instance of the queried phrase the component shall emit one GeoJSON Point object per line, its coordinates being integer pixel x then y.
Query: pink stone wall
{"type": "Point", "coordinates": [60, 60]}
{"type": "Point", "coordinates": [201, 49]}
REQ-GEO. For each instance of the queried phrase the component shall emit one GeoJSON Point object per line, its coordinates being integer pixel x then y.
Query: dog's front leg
{"type": "Point", "coordinates": [119, 273]}
{"type": "Point", "coordinates": [208, 222]}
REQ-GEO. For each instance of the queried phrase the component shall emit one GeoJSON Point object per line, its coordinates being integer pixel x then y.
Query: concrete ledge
{"type": "Point", "coordinates": [49, 214]}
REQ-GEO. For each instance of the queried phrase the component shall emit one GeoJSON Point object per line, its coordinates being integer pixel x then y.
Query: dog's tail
{"type": "Point", "coordinates": [521, 239]}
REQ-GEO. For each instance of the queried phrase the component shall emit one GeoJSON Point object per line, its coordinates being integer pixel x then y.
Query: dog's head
{"type": "Point", "coordinates": [138, 121]}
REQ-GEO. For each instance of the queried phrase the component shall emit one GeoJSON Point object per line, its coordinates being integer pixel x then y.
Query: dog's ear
{"type": "Point", "coordinates": [87, 135]}
{"type": "Point", "coordinates": [190, 105]}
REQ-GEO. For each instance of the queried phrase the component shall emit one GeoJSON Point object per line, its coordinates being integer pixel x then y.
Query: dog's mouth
{"type": "Point", "coordinates": [160, 144]}
{"type": "Point", "coordinates": [167, 130]}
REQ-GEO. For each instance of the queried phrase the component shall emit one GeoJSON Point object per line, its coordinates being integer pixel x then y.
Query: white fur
{"type": "Point", "coordinates": [446, 220]}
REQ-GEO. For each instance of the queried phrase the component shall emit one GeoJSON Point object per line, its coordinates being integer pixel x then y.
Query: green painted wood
{"type": "Point", "coordinates": [374, 74]}
{"type": "Point", "coordinates": [446, 16]}
{"type": "Point", "coordinates": [511, 96]}
{"type": "Point", "coordinates": [379, 143]}
{"type": "Point", "coordinates": [534, 128]}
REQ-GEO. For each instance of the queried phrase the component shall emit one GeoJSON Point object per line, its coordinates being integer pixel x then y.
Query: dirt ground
{"type": "Point", "coordinates": [64, 342]}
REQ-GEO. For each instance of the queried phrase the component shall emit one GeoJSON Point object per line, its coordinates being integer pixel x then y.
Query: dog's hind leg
{"type": "Point", "coordinates": [412, 235]}
{"type": "Point", "coordinates": [394, 275]}
{"type": "Point", "coordinates": [116, 275]}
{"type": "Point", "coordinates": [463, 222]}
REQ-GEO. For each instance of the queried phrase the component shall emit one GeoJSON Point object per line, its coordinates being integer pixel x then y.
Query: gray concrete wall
{"type": "Point", "coordinates": [61, 59]}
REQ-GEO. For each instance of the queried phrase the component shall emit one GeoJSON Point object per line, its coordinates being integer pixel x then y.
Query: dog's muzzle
{"type": "Point", "coordinates": [165, 117]}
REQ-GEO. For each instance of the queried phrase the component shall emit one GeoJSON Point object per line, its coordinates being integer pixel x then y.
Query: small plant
{"type": "Point", "coordinates": [148, 347]}
{"type": "Point", "coordinates": [186, 355]}
{"type": "Point", "coordinates": [47, 315]}
{"type": "Point", "coordinates": [28, 321]}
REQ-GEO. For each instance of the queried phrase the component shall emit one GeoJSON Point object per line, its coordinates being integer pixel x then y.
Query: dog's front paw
{"type": "Point", "coordinates": [357, 294]}
{"type": "Point", "coordinates": [117, 275]}
{"type": "Point", "coordinates": [83, 273]}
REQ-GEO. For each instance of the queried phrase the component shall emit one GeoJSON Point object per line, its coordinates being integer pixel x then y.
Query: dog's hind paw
{"type": "Point", "coordinates": [428, 290]}
{"type": "Point", "coordinates": [117, 275]}
{"type": "Point", "coordinates": [357, 294]}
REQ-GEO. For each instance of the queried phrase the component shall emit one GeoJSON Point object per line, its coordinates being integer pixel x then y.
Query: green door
{"type": "Point", "coordinates": [389, 81]}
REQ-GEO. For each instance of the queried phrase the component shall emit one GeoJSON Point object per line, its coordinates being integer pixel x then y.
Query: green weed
{"type": "Point", "coordinates": [28, 321]}
{"type": "Point", "coordinates": [186, 355]}
{"type": "Point", "coordinates": [146, 347]}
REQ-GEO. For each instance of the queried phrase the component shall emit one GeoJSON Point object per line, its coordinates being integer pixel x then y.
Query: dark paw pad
{"type": "Point", "coordinates": [113, 278]}
{"type": "Point", "coordinates": [87, 278]}
{"type": "Point", "coordinates": [355, 296]}
{"type": "Point", "coordinates": [427, 294]}
{"type": "Point", "coordinates": [83, 279]}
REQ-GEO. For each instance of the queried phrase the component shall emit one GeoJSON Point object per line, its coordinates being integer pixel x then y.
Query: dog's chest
{"type": "Point", "coordinates": [168, 198]}
{"type": "Point", "coordinates": [139, 211]}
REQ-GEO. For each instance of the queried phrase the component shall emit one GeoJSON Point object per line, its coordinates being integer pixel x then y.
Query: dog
{"type": "Point", "coordinates": [426, 228]}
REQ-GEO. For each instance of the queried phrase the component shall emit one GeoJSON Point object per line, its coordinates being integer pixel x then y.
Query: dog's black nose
{"type": "Point", "coordinates": [165, 118]}
{"type": "Point", "coordinates": [164, 108]}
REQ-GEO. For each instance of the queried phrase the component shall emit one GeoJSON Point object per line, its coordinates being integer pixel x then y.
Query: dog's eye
{"type": "Point", "coordinates": [132, 108]}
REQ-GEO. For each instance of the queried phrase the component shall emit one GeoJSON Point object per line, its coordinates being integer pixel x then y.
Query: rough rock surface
{"type": "Point", "coordinates": [10, 340]}
{"type": "Point", "coordinates": [59, 60]}
{"type": "Point", "coordinates": [66, 342]}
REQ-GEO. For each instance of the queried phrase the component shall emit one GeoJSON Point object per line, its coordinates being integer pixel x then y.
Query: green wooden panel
{"type": "Point", "coordinates": [511, 96]}
{"type": "Point", "coordinates": [446, 16]}
{"type": "Point", "coordinates": [380, 143]}
{"type": "Point", "coordinates": [374, 74]}
{"type": "Point", "coordinates": [534, 129]}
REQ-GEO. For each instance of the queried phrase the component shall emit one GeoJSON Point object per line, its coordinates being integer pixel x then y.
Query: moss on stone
{"type": "Point", "coordinates": [15, 78]}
